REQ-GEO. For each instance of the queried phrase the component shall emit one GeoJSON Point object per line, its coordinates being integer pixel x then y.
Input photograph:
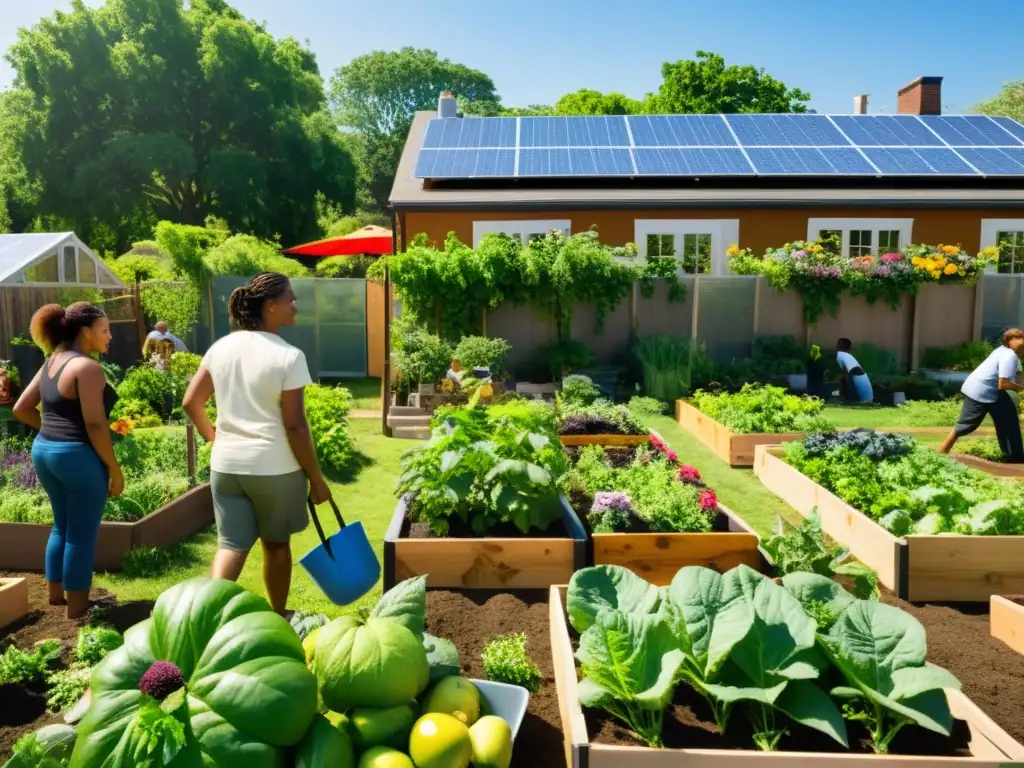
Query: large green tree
{"type": "Point", "coordinates": [18, 193]}
{"type": "Point", "coordinates": [1009, 102]}
{"type": "Point", "coordinates": [377, 95]}
{"type": "Point", "coordinates": [588, 102]}
{"type": "Point", "coordinates": [705, 85]}
{"type": "Point", "coordinates": [158, 109]}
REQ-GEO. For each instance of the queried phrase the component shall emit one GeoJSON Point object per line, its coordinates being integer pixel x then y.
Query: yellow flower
{"type": "Point", "coordinates": [732, 250]}
{"type": "Point", "coordinates": [815, 248]}
{"type": "Point", "coordinates": [951, 269]}
{"type": "Point", "coordinates": [952, 250]}
{"type": "Point", "coordinates": [941, 262]}
{"type": "Point", "coordinates": [917, 261]}
{"type": "Point", "coordinates": [935, 274]}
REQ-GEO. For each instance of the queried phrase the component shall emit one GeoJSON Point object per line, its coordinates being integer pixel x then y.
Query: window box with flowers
{"type": "Point", "coordinates": [646, 511]}
{"type": "Point", "coordinates": [820, 272]}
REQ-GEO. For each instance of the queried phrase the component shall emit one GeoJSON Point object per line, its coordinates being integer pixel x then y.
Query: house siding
{"type": "Point", "coordinates": [759, 229]}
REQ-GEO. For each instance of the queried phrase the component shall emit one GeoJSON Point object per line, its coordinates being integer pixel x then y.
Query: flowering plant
{"type": "Point", "coordinates": [611, 511]}
{"type": "Point", "coordinates": [689, 474]}
{"type": "Point", "coordinates": [123, 427]}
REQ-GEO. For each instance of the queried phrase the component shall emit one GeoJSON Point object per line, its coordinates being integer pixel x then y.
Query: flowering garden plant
{"type": "Point", "coordinates": [820, 273]}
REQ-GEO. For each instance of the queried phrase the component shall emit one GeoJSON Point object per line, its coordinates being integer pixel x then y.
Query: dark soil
{"type": "Point", "coordinates": [459, 530]}
{"type": "Point", "coordinates": [469, 619]}
{"type": "Point", "coordinates": [23, 708]}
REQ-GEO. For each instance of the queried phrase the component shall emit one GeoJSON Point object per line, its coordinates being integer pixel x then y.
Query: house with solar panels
{"type": "Point", "coordinates": [695, 184]}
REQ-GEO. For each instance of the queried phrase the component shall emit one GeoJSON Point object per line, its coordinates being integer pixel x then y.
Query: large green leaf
{"type": "Point", "coordinates": [443, 657]}
{"type": "Point", "coordinates": [697, 599]}
{"type": "Point", "coordinates": [608, 587]}
{"type": "Point", "coordinates": [406, 603]}
{"type": "Point", "coordinates": [881, 652]}
{"type": "Point", "coordinates": [810, 589]}
{"type": "Point", "coordinates": [630, 658]}
{"type": "Point", "coordinates": [250, 693]}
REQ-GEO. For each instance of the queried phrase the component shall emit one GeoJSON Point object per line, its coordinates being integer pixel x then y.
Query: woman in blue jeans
{"type": "Point", "coordinates": [73, 453]}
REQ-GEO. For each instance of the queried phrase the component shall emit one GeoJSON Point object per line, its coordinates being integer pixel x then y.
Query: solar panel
{"type": "Point", "coordinates": [691, 162]}
{"type": "Point", "coordinates": [722, 145]}
{"type": "Point", "coordinates": [680, 131]}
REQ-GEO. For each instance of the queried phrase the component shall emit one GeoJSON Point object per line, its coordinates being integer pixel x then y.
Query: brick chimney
{"type": "Point", "coordinates": [921, 97]}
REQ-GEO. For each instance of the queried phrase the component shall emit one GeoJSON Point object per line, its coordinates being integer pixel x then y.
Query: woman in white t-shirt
{"type": "Point", "coordinates": [263, 454]}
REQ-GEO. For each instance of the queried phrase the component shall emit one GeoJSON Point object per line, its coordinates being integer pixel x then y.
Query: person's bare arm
{"type": "Point", "coordinates": [1010, 385]}
{"type": "Point", "coordinates": [199, 392]}
{"type": "Point", "coordinates": [293, 412]}
{"type": "Point", "coordinates": [26, 410]}
{"type": "Point", "coordinates": [90, 383]}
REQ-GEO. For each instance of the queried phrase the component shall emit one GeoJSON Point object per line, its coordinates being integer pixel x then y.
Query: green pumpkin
{"type": "Point", "coordinates": [325, 744]}
{"type": "Point", "coordinates": [249, 694]}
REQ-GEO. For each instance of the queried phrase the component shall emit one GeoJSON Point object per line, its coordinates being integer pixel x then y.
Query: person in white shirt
{"type": "Point", "coordinates": [263, 453]}
{"type": "Point", "coordinates": [161, 332]}
{"type": "Point", "coordinates": [986, 391]}
{"type": "Point", "coordinates": [854, 383]}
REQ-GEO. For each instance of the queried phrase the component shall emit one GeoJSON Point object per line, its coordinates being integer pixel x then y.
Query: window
{"type": "Point", "coordinates": [522, 231]}
{"type": "Point", "coordinates": [86, 268]}
{"type": "Point", "coordinates": [698, 245]}
{"type": "Point", "coordinates": [45, 271]}
{"type": "Point", "coordinates": [1008, 236]}
{"type": "Point", "coordinates": [70, 264]}
{"type": "Point", "coordinates": [862, 237]}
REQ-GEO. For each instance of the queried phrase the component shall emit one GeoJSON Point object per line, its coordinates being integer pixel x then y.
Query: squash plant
{"type": "Point", "coordinates": [745, 642]}
{"type": "Point", "coordinates": [214, 676]}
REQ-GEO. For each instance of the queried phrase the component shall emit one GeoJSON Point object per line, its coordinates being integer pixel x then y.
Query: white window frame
{"type": "Point", "coordinates": [522, 227]}
{"type": "Point", "coordinates": [992, 227]}
{"type": "Point", "coordinates": [904, 226]}
{"type": "Point", "coordinates": [724, 232]}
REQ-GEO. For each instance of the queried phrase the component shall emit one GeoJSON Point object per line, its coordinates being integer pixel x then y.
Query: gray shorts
{"type": "Point", "coordinates": [253, 507]}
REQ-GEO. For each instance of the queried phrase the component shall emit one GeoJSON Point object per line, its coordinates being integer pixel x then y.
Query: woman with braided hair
{"type": "Point", "coordinates": [73, 453]}
{"type": "Point", "coordinates": [263, 454]}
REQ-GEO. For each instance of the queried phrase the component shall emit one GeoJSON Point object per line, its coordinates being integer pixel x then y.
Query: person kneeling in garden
{"type": "Point", "coordinates": [986, 391]}
{"type": "Point", "coordinates": [854, 384]}
{"type": "Point", "coordinates": [263, 452]}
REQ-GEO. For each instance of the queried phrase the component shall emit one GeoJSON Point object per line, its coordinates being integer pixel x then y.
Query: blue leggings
{"type": "Point", "coordinates": [76, 481]}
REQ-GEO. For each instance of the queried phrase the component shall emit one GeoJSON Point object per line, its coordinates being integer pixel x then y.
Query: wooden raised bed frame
{"type": "Point", "coordinates": [946, 568]}
{"type": "Point", "coordinates": [13, 600]}
{"type": "Point", "coordinates": [487, 562]}
{"type": "Point", "coordinates": [1006, 622]}
{"type": "Point", "coordinates": [620, 441]}
{"type": "Point", "coordinates": [735, 449]}
{"type": "Point", "coordinates": [994, 468]}
{"type": "Point", "coordinates": [23, 545]}
{"type": "Point", "coordinates": [990, 745]}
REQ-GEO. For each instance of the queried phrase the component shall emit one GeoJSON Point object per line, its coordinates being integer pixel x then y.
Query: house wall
{"type": "Point", "coordinates": [759, 229]}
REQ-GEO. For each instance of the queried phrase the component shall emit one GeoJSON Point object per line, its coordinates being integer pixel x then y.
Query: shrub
{"type": "Point", "coordinates": [145, 496]}
{"type": "Point", "coordinates": [147, 452]}
{"type": "Point", "coordinates": [18, 506]}
{"type": "Point", "coordinates": [647, 406]}
{"type": "Point", "coordinates": [140, 412]}
{"type": "Point", "coordinates": [671, 370]}
{"type": "Point", "coordinates": [146, 384]}
{"type": "Point", "coordinates": [246, 255]}
{"type": "Point", "coordinates": [579, 390]}
{"type": "Point", "coordinates": [964, 357]}
{"type": "Point", "coordinates": [420, 356]}
{"type": "Point", "coordinates": [483, 352]}
{"type": "Point", "coordinates": [326, 409]}
{"type": "Point", "coordinates": [344, 266]}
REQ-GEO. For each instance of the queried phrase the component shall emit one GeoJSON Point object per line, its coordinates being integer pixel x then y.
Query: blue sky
{"type": "Point", "coordinates": [536, 50]}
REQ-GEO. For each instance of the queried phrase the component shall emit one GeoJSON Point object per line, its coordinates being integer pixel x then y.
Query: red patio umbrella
{"type": "Point", "coordinates": [371, 240]}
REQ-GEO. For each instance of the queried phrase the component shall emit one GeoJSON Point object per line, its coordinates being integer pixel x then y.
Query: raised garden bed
{"type": "Point", "coordinates": [735, 449]}
{"type": "Point", "coordinates": [592, 741]}
{"type": "Point", "coordinates": [625, 441]}
{"type": "Point", "coordinates": [1006, 619]}
{"type": "Point", "coordinates": [13, 600]}
{"type": "Point", "coordinates": [488, 562]}
{"type": "Point", "coordinates": [945, 568]}
{"type": "Point", "coordinates": [995, 468]}
{"type": "Point", "coordinates": [23, 545]}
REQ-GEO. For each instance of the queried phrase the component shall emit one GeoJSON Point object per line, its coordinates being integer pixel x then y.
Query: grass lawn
{"type": "Point", "coordinates": [365, 392]}
{"type": "Point", "coordinates": [366, 497]}
{"type": "Point", "coordinates": [912, 414]}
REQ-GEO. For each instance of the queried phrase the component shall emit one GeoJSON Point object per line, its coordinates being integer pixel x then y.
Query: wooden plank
{"type": "Point", "coordinates": [491, 563]}
{"type": "Point", "coordinates": [994, 468]}
{"type": "Point", "coordinates": [183, 517]}
{"type": "Point", "coordinates": [742, 447]}
{"type": "Point", "coordinates": [990, 745]}
{"type": "Point", "coordinates": [735, 449]}
{"type": "Point", "coordinates": [13, 600]}
{"type": "Point", "coordinates": [867, 541]}
{"type": "Point", "coordinates": [608, 440]}
{"type": "Point", "coordinates": [964, 568]}
{"type": "Point", "coordinates": [657, 557]}
{"type": "Point", "coordinates": [1006, 622]}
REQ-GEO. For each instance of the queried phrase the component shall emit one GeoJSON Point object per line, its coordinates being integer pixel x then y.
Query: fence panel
{"type": "Point", "coordinates": [725, 316]}
{"type": "Point", "coordinates": [1002, 304]}
{"type": "Point", "coordinates": [659, 315]}
{"type": "Point", "coordinates": [341, 320]}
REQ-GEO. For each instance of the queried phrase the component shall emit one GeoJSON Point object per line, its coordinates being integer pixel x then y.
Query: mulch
{"type": "Point", "coordinates": [23, 708]}
{"type": "Point", "coordinates": [471, 618]}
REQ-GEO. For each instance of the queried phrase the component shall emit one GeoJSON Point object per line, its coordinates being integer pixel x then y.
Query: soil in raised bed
{"type": "Point", "coordinates": [469, 619]}
{"type": "Point", "coordinates": [460, 530]}
{"type": "Point", "coordinates": [23, 708]}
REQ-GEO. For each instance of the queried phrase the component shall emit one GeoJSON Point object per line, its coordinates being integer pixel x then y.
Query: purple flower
{"type": "Point", "coordinates": [161, 680]}
{"type": "Point", "coordinates": [603, 501]}
{"type": "Point", "coordinates": [882, 271]}
{"type": "Point", "coordinates": [798, 254]}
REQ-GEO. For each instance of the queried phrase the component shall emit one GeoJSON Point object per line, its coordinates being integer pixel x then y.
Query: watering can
{"type": "Point", "coordinates": [344, 565]}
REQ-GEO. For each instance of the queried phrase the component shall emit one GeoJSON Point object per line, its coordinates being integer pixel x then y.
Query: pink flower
{"type": "Point", "coordinates": [689, 474]}
{"type": "Point", "coordinates": [671, 456]}
{"type": "Point", "coordinates": [658, 443]}
{"type": "Point", "coordinates": [708, 500]}
{"type": "Point", "coordinates": [889, 258]}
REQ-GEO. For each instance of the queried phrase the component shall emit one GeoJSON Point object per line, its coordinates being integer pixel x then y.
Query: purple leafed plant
{"type": "Point", "coordinates": [18, 470]}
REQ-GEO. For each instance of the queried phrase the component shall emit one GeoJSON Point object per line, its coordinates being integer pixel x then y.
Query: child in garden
{"type": "Point", "coordinates": [987, 391]}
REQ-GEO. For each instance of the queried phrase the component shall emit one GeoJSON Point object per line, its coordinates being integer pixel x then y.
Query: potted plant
{"type": "Point", "coordinates": [10, 382]}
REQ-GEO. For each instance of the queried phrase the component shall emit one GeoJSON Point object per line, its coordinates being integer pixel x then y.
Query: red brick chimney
{"type": "Point", "coordinates": [921, 97]}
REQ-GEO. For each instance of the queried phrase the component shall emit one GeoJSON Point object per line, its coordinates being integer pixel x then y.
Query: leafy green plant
{"type": "Point", "coordinates": [671, 367]}
{"type": "Point", "coordinates": [67, 687]}
{"type": "Point", "coordinates": [49, 747]}
{"type": "Point", "coordinates": [326, 411]}
{"type": "Point", "coordinates": [506, 661]}
{"type": "Point", "coordinates": [94, 643]}
{"type": "Point", "coordinates": [579, 390]}
{"type": "Point", "coordinates": [757, 409]}
{"type": "Point", "coordinates": [964, 357]}
{"type": "Point", "coordinates": [344, 266]}
{"type": "Point", "coordinates": [140, 412]}
{"type": "Point", "coordinates": [144, 496]}
{"type": "Point", "coordinates": [146, 384]}
{"type": "Point", "coordinates": [419, 356]}
{"type": "Point", "coordinates": [483, 352]}
{"type": "Point", "coordinates": [600, 417]}
{"type": "Point", "coordinates": [775, 355]}
{"type": "Point", "coordinates": [246, 255]}
{"type": "Point", "coordinates": [646, 407]}
{"type": "Point", "coordinates": [17, 666]}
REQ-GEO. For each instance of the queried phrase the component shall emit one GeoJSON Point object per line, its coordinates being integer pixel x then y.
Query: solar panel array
{"type": "Point", "coordinates": [721, 145]}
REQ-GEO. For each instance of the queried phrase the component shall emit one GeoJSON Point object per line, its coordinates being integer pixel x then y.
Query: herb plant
{"type": "Point", "coordinates": [579, 390]}
{"type": "Point", "coordinates": [67, 687]}
{"type": "Point", "coordinates": [760, 409]}
{"type": "Point", "coordinates": [17, 666]}
{"type": "Point", "coordinates": [94, 643]}
{"type": "Point", "coordinates": [506, 661]}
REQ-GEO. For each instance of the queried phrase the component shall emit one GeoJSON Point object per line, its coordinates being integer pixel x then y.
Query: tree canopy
{"type": "Point", "coordinates": [1009, 102]}
{"type": "Point", "coordinates": [143, 110]}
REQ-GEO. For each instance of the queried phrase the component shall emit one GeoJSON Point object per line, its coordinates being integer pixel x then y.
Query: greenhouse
{"type": "Point", "coordinates": [51, 259]}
